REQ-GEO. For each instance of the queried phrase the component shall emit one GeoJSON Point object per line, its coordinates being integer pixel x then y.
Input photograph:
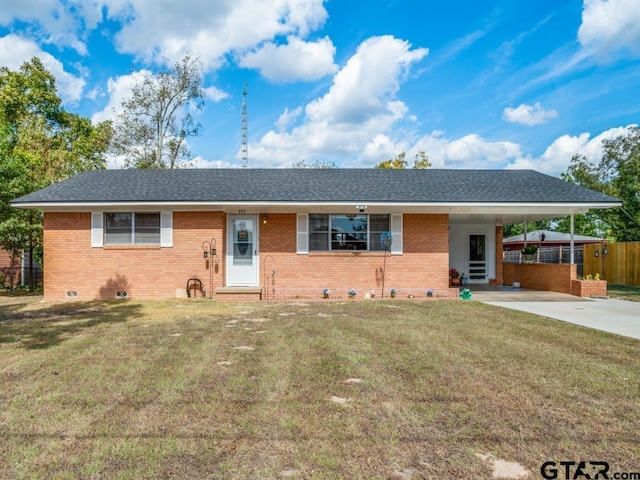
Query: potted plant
{"type": "Point", "coordinates": [352, 294]}
{"type": "Point", "coordinates": [454, 275]}
{"type": "Point", "coordinates": [325, 293]}
{"type": "Point", "coordinates": [529, 251]}
{"type": "Point", "coordinates": [393, 293]}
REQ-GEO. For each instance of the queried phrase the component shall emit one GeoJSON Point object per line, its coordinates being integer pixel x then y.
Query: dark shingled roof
{"type": "Point", "coordinates": [314, 185]}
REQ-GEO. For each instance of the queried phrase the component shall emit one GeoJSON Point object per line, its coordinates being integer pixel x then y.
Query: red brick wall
{"type": "Point", "coordinates": [423, 265]}
{"type": "Point", "coordinates": [589, 288]}
{"type": "Point", "coordinates": [73, 265]}
{"type": "Point", "coordinates": [540, 276]}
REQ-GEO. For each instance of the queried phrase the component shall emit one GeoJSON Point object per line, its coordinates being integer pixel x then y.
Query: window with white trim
{"type": "Point", "coordinates": [130, 228]}
{"type": "Point", "coordinates": [355, 232]}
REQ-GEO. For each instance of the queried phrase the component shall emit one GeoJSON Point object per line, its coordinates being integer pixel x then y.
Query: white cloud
{"type": "Point", "coordinates": [296, 60]}
{"type": "Point", "coordinates": [15, 50]}
{"type": "Point", "coordinates": [380, 148]}
{"type": "Point", "coordinates": [362, 89]}
{"type": "Point", "coordinates": [156, 28]}
{"type": "Point", "coordinates": [118, 89]}
{"type": "Point", "coordinates": [153, 29]}
{"type": "Point", "coordinates": [215, 94]}
{"type": "Point", "coordinates": [470, 151]}
{"type": "Point", "coordinates": [360, 105]}
{"type": "Point", "coordinates": [529, 114]}
{"type": "Point", "coordinates": [199, 162]}
{"type": "Point", "coordinates": [53, 21]}
{"type": "Point", "coordinates": [610, 25]}
{"type": "Point", "coordinates": [287, 118]}
{"type": "Point", "coordinates": [557, 156]}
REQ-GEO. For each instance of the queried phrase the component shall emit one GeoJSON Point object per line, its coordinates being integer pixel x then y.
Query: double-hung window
{"type": "Point", "coordinates": [354, 232]}
{"type": "Point", "coordinates": [130, 228]}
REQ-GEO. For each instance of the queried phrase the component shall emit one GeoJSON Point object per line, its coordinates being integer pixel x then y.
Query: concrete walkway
{"type": "Point", "coordinates": [610, 315]}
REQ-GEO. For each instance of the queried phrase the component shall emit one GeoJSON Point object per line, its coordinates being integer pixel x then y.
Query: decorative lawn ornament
{"type": "Point", "coordinates": [465, 294]}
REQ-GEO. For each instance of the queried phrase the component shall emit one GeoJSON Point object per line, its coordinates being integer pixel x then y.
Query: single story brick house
{"type": "Point", "coordinates": [287, 233]}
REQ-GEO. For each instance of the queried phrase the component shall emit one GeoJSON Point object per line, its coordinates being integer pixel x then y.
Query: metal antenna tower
{"type": "Point", "coordinates": [244, 149]}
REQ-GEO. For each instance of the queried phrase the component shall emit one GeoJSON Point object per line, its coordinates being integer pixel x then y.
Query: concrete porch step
{"type": "Point", "coordinates": [239, 293]}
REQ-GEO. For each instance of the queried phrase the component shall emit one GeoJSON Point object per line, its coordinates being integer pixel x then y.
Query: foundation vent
{"type": "Point", "coordinates": [121, 294]}
{"type": "Point", "coordinates": [71, 294]}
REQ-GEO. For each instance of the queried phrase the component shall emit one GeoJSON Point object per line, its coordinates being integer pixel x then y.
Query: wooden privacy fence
{"type": "Point", "coordinates": [617, 263]}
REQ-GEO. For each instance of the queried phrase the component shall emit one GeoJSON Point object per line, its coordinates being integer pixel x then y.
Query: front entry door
{"type": "Point", "coordinates": [242, 250]}
{"type": "Point", "coordinates": [477, 259]}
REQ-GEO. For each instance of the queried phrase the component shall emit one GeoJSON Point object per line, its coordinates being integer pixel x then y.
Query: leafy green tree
{"type": "Point", "coordinates": [400, 162]}
{"type": "Point", "coordinates": [518, 228]}
{"type": "Point", "coordinates": [156, 120]}
{"type": "Point", "coordinates": [617, 174]}
{"type": "Point", "coordinates": [40, 143]}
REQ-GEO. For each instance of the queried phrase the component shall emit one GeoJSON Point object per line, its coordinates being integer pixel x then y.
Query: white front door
{"type": "Point", "coordinates": [477, 258]}
{"type": "Point", "coordinates": [242, 250]}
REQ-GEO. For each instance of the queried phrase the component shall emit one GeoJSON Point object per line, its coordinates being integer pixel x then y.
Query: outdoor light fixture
{"type": "Point", "coordinates": [265, 218]}
{"type": "Point", "coordinates": [361, 208]}
{"type": "Point", "coordinates": [596, 253]}
{"type": "Point", "coordinates": [604, 251]}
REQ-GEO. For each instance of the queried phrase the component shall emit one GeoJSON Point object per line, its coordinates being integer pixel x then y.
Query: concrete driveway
{"type": "Point", "coordinates": [610, 315]}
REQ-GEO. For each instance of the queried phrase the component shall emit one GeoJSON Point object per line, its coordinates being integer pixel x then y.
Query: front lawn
{"type": "Point", "coordinates": [624, 292]}
{"type": "Point", "coordinates": [378, 389]}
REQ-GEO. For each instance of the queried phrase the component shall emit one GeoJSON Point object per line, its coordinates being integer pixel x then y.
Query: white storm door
{"type": "Point", "coordinates": [477, 258]}
{"type": "Point", "coordinates": [242, 250]}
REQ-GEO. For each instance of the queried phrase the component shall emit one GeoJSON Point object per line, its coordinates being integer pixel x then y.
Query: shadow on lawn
{"type": "Point", "coordinates": [49, 326]}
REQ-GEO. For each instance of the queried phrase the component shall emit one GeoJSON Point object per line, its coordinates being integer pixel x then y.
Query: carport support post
{"type": "Point", "coordinates": [524, 228]}
{"type": "Point", "coordinates": [572, 261]}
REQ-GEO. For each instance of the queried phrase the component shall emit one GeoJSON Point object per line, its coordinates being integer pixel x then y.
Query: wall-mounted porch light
{"type": "Point", "coordinates": [596, 253]}
{"type": "Point", "coordinates": [265, 219]}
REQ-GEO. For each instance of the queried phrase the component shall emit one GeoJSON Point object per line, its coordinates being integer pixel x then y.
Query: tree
{"type": "Point", "coordinates": [518, 228]}
{"type": "Point", "coordinates": [156, 120]}
{"type": "Point", "coordinates": [617, 174]}
{"type": "Point", "coordinates": [40, 143]}
{"type": "Point", "coordinates": [421, 162]}
{"type": "Point", "coordinates": [321, 163]}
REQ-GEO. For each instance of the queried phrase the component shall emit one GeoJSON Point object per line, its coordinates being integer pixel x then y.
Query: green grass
{"type": "Point", "coordinates": [624, 292]}
{"type": "Point", "coordinates": [135, 390]}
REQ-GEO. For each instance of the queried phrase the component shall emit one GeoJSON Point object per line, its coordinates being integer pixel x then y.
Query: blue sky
{"type": "Point", "coordinates": [491, 84]}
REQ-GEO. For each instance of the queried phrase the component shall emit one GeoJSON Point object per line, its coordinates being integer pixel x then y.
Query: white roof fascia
{"type": "Point", "coordinates": [443, 206]}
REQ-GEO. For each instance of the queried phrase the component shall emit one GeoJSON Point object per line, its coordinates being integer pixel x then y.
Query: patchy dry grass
{"type": "Point", "coordinates": [326, 390]}
{"type": "Point", "coordinates": [624, 292]}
